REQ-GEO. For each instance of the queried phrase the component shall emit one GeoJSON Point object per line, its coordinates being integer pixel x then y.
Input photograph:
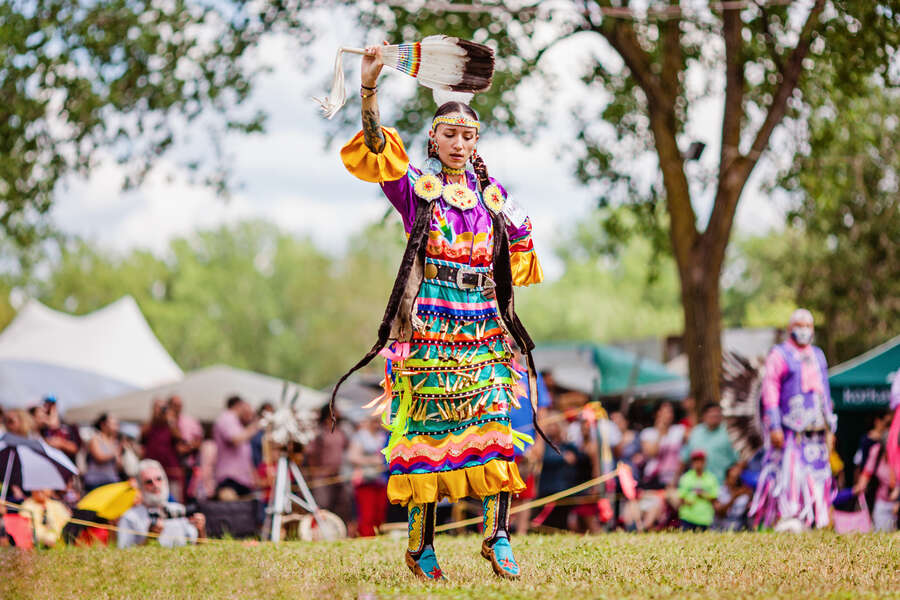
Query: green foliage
{"type": "Point", "coordinates": [249, 296]}
{"type": "Point", "coordinates": [123, 76]}
{"type": "Point", "coordinates": [627, 294]}
{"type": "Point", "coordinates": [720, 566]}
{"type": "Point", "coordinates": [847, 183]}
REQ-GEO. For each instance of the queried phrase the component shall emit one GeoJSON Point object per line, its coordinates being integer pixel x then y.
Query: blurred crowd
{"type": "Point", "coordinates": [687, 473]}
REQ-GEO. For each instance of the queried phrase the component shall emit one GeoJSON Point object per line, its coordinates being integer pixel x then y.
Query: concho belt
{"type": "Point", "coordinates": [463, 276]}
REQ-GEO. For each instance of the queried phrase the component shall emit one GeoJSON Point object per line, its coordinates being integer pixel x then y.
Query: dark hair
{"type": "Point", "coordinates": [709, 407]}
{"type": "Point", "coordinates": [233, 401]}
{"type": "Point", "coordinates": [477, 162]}
{"type": "Point", "coordinates": [103, 418]}
{"type": "Point", "coordinates": [264, 406]}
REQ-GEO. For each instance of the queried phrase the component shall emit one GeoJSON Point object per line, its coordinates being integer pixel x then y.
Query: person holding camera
{"type": "Point", "coordinates": [154, 514]}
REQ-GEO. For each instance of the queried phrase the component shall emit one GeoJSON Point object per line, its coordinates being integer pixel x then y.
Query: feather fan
{"type": "Point", "coordinates": [438, 62]}
{"type": "Point", "coordinates": [741, 388]}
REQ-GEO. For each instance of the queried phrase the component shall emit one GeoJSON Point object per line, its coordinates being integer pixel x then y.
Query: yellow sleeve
{"type": "Point", "coordinates": [388, 165]}
{"type": "Point", "coordinates": [524, 263]}
{"type": "Point", "coordinates": [526, 268]}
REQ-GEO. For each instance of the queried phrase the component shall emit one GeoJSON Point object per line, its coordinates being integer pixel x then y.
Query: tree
{"type": "Point", "coordinates": [248, 295]}
{"type": "Point", "coordinates": [120, 76]}
{"type": "Point", "coordinates": [847, 180]}
{"type": "Point", "coordinates": [756, 52]}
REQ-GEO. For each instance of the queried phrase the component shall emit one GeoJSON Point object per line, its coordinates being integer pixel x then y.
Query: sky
{"type": "Point", "coordinates": [290, 176]}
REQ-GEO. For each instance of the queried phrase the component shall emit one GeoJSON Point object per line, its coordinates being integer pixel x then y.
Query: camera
{"type": "Point", "coordinates": [170, 510]}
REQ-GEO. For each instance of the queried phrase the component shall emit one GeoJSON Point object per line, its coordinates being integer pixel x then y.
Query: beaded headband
{"type": "Point", "coordinates": [462, 121]}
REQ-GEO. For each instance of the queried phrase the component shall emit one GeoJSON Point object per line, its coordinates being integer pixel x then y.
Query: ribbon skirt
{"type": "Point", "coordinates": [450, 394]}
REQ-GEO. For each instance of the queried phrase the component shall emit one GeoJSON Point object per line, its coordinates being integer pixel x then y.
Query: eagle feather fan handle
{"type": "Point", "coordinates": [741, 389]}
{"type": "Point", "coordinates": [438, 62]}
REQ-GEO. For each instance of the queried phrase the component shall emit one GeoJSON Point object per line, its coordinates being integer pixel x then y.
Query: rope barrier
{"type": "Point", "coordinates": [516, 509]}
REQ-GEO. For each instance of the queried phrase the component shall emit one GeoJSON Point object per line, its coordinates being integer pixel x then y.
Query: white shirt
{"type": "Point", "coordinates": [135, 524]}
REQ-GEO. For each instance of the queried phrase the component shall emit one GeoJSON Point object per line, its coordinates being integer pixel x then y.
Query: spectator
{"type": "Point", "coordinates": [369, 476]}
{"type": "Point", "coordinates": [256, 442]}
{"type": "Point", "coordinates": [234, 458]}
{"type": "Point", "coordinates": [586, 514]}
{"type": "Point", "coordinates": [887, 492]}
{"type": "Point", "coordinates": [628, 451]}
{"type": "Point", "coordinates": [19, 422]}
{"type": "Point", "coordinates": [154, 514]}
{"type": "Point", "coordinates": [880, 425]}
{"type": "Point", "coordinates": [520, 419]}
{"type": "Point", "coordinates": [324, 460]}
{"type": "Point", "coordinates": [2, 431]}
{"type": "Point", "coordinates": [711, 436]}
{"type": "Point", "coordinates": [48, 516]}
{"type": "Point", "coordinates": [558, 472]}
{"type": "Point", "coordinates": [160, 438]}
{"type": "Point", "coordinates": [61, 436]}
{"type": "Point", "coordinates": [661, 450]}
{"type": "Point", "coordinates": [689, 408]}
{"type": "Point", "coordinates": [661, 447]}
{"type": "Point", "coordinates": [733, 501]}
{"type": "Point", "coordinates": [104, 454]}
{"type": "Point", "coordinates": [697, 489]}
{"type": "Point", "coordinates": [190, 436]}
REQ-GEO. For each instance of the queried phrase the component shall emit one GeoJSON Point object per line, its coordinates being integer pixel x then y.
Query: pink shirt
{"type": "Point", "coordinates": [881, 471]}
{"type": "Point", "coordinates": [190, 428]}
{"type": "Point", "coordinates": [232, 461]}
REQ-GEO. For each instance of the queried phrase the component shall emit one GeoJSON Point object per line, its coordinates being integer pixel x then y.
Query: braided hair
{"type": "Point", "coordinates": [478, 164]}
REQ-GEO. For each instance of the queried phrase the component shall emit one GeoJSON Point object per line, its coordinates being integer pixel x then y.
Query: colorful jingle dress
{"type": "Point", "coordinates": [448, 391]}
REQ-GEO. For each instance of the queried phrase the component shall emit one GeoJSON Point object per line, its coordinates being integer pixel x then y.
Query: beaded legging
{"type": "Point", "coordinates": [422, 521]}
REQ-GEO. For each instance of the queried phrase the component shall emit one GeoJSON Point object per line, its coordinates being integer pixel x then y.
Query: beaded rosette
{"type": "Point", "coordinates": [460, 196]}
{"type": "Point", "coordinates": [493, 198]}
{"type": "Point", "coordinates": [428, 187]}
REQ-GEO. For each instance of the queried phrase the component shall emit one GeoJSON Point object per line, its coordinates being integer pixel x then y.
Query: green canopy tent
{"type": "Point", "coordinates": [860, 388]}
{"type": "Point", "coordinates": [599, 369]}
{"type": "Point", "coordinates": [864, 383]}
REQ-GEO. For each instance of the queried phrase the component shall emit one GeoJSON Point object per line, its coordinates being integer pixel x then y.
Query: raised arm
{"type": "Point", "coordinates": [371, 120]}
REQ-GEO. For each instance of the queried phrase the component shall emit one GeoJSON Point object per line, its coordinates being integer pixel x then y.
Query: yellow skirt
{"type": "Point", "coordinates": [488, 479]}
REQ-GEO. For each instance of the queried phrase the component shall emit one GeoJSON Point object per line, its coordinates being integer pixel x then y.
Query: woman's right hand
{"type": "Point", "coordinates": [371, 66]}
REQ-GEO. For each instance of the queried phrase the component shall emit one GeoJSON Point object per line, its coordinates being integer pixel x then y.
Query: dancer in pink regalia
{"type": "Point", "coordinates": [794, 489]}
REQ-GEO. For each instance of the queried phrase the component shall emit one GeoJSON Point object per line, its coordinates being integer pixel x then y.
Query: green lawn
{"type": "Point", "coordinates": [666, 565]}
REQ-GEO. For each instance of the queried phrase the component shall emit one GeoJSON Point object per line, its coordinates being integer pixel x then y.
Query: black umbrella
{"type": "Point", "coordinates": [32, 465]}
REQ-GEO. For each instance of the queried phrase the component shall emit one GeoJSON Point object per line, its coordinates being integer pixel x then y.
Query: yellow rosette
{"type": "Point", "coordinates": [493, 198]}
{"type": "Point", "coordinates": [460, 196]}
{"type": "Point", "coordinates": [428, 187]}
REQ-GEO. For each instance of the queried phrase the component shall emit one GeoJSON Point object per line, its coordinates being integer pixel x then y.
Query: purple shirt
{"type": "Point", "coordinates": [463, 236]}
{"type": "Point", "coordinates": [232, 461]}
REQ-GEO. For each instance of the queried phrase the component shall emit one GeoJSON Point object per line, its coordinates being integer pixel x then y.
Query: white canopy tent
{"type": "Point", "coordinates": [80, 358]}
{"type": "Point", "coordinates": [203, 393]}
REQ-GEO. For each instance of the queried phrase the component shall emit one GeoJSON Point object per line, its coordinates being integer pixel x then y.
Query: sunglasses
{"type": "Point", "coordinates": [153, 480]}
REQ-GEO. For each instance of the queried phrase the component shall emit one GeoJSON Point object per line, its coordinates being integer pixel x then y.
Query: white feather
{"type": "Point", "coordinates": [442, 96]}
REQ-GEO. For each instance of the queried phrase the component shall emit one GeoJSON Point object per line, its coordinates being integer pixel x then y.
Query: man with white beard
{"type": "Point", "coordinates": [156, 515]}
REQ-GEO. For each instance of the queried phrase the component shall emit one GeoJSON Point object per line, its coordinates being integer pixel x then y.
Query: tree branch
{"type": "Point", "coordinates": [790, 75]}
{"type": "Point", "coordinates": [672, 53]}
{"type": "Point", "coordinates": [734, 91]}
{"type": "Point", "coordinates": [663, 123]}
{"type": "Point", "coordinates": [733, 178]}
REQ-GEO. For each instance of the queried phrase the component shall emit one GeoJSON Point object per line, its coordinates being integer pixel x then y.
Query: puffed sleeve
{"type": "Point", "coordinates": [390, 168]}
{"type": "Point", "coordinates": [388, 165]}
{"type": "Point", "coordinates": [526, 268]}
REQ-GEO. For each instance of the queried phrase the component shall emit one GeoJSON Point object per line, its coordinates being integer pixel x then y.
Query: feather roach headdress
{"type": "Point", "coordinates": [438, 62]}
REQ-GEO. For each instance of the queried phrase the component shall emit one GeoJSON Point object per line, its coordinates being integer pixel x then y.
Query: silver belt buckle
{"type": "Point", "coordinates": [460, 273]}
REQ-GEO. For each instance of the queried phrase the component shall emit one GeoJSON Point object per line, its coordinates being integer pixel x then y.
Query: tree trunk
{"type": "Point", "coordinates": [702, 328]}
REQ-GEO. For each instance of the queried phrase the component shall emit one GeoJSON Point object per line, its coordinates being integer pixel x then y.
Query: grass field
{"type": "Point", "coordinates": [569, 567]}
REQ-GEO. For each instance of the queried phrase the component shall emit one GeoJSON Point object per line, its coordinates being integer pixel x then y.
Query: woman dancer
{"type": "Point", "coordinates": [449, 382]}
